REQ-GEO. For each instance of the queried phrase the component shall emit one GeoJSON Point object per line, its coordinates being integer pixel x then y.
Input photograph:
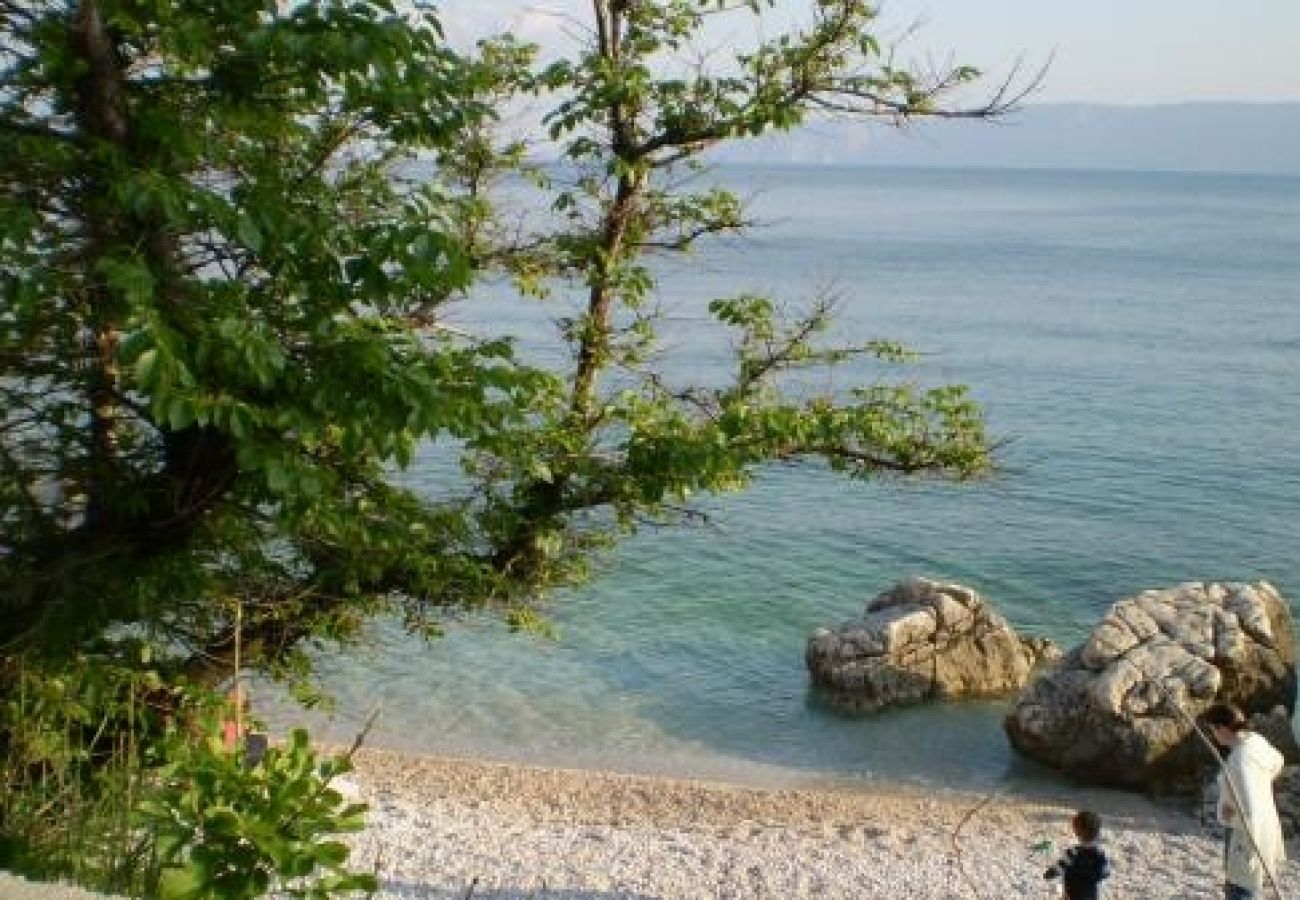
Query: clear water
{"type": "Point", "coordinates": [1135, 337]}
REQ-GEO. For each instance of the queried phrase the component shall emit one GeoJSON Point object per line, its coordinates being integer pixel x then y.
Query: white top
{"type": "Point", "coordinates": [1252, 765]}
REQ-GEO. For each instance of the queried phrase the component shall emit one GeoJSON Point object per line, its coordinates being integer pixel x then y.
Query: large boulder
{"type": "Point", "coordinates": [922, 640]}
{"type": "Point", "coordinates": [1116, 710]}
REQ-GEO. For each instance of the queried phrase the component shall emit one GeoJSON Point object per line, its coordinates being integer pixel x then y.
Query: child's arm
{"type": "Point", "coordinates": [1060, 867]}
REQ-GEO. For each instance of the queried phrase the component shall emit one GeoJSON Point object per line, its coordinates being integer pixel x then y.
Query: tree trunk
{"type": "Point", "coordinates": [101, 112]}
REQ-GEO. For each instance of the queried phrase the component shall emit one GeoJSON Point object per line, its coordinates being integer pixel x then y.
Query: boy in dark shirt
{"type": "Point", "coordinates": [1082, 867]}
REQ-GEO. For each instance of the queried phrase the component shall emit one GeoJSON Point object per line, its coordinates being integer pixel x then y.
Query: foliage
{"type": "Point", "coordinates": [123, 784]}
{"type": "Point", "coordinates": [632, 116]}
{"type": "Point", "coordinates": [219, 328]}
{"type": "Point", "coordinates": [226, 830]}
{"type": "Point", "coordinates": [229, 237]}
{"type": "Point", "coordinates": [71, 758]}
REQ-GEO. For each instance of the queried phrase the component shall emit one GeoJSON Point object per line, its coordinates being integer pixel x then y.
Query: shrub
{"type": "Point", "coordinates": [225, 829]}
{"type": "Point", "coordinates": [114, 780]}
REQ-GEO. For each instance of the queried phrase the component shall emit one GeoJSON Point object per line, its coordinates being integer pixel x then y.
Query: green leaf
{"type": "Point", "coordinates": [248, 232]}
{"type": "Point", "coordinates": [144, 366]}
{"type": "Point", "coordinates": [331, 853]}
{"type": "Point", "coordinates": [180, 413]}
{"type": "Point", "coordinates": [182, 883]}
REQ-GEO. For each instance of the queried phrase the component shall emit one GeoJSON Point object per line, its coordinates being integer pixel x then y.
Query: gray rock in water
{"type": "Point", "coordinates": [1106, 713]}
{"type": "Point", "coordinates": [922, 640]}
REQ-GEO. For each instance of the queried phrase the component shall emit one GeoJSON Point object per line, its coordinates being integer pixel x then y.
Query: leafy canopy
{"type": "Point", "coordinates": [632, 116]}
{"type": "Point", "coordinates": [219, 325]}
{"type": "Point", "coordinates": [229, 234]}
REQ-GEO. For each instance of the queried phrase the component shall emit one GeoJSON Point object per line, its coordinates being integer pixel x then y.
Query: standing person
{"type": "Point", "coordinates": [1251, 765]}
{"type": "Point", "coordinates": [233, 726]}
{"type": "Point", "coordinates": [1082, 867]}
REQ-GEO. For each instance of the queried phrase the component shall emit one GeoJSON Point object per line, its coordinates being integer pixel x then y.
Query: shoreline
{"type": "Point", "coordinates": [443, 827]}
{"type": "Point", "coordinates": [652, 793]}
{"type": "Point", "coordinates": [446, 828]}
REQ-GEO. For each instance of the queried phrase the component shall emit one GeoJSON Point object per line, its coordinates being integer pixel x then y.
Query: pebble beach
{"type": "Point", "coordinates": [448, 829]}
{"type": "Point", "coordinates": [442, 828]}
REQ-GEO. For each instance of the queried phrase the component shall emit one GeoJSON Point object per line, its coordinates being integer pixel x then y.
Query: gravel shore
{"type": "Point", "coordinates": [14, 888]}
{"type": "Point", "coordinates": [454, 829]}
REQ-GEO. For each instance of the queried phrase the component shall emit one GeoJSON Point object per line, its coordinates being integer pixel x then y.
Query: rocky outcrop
{"type": "Point", "coordinates": [922, 640]}
{"type": "Point", "coordinates": [1110, 711]}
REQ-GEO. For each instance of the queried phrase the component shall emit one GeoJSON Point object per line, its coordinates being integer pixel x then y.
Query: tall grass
{"type": "Point", "coordinates": [74, 745]}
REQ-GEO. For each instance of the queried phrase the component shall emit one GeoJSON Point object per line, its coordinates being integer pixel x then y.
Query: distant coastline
{"type": "Point", "coordinates": [1201, 137]}
{"type": "Point", "coordinates": [878, 168]}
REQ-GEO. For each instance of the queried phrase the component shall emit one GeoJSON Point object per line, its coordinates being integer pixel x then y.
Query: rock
{"type": "Point", "coordinates": [1286, 792]}
{"type": "Point", "coordinates": [922, 640]}
{"type": "Point", "coordinates": [1105, 713]}
{"type": "Point", "coordinates": [1275, 726]}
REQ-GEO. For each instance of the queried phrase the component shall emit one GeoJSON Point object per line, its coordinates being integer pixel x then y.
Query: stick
{"type": "Point", "coordinates": [364, 732]}
{"type": "Point", "coordinates": [956, 834]}
{"type": "Point", "coordinates": [239, 700]}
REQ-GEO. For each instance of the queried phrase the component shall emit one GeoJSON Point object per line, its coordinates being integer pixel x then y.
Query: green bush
{"type": "Point", "coordinates": [229, 831]}
{"type": "Point", "coordinates": [114, 780]}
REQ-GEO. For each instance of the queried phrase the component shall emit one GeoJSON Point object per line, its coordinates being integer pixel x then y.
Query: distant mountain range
{"type": "Point", "coordinates": [1210, 137]}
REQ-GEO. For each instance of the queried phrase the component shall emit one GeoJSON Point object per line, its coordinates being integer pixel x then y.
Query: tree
{"type": "Point", "coordinates": [224, 277]}
{"type": "Point", "coordinates": [632, 115]}
{"type": "Point", "coordinates": [219, 321]}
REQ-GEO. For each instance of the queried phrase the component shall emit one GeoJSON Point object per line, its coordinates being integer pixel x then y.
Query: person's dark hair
{"type": "Point", "coordinates": [1087, 825]}
{"type": "Point", "coordinates": [1225, 715]}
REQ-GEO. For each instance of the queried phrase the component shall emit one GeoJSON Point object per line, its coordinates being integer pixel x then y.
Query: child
{"type": "Point", "coordinates": [1082, 867]}
{"type": "Point", "coordinates": [235, 731]}
{"type": "Point", "coordinates": [233, 725]}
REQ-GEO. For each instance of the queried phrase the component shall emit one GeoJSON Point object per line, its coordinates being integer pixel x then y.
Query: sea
{"type": "Point", "coordinates": [1134, 339]}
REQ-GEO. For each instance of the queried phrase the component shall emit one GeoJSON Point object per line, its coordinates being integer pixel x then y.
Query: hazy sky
{"type": "Point", "coordinates": [1111, 51]}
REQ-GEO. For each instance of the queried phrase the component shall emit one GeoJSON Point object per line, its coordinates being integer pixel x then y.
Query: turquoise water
{"type": "Point", "coordinates": [1134, 337]}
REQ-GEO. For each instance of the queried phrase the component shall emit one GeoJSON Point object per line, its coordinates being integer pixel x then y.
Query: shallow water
{"type": "Point", "coordinates": [1136, 337]}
